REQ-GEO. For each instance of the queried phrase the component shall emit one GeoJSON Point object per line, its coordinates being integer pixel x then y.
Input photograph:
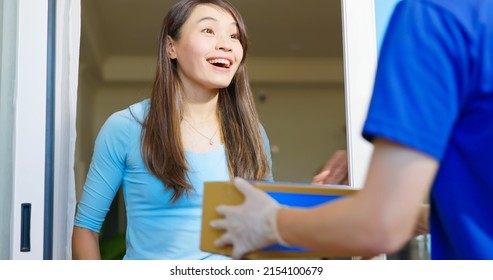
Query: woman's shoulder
{"type": "Point", "coordinates": [138, 111]}
{"type": "Point", "coordinates": [122, 126]}
{"type": "Point", "coordinates": [133, 113]}
{"type": "Point", "coordinates": [132, 116]}
{"type": "Point", "coordinates": [263, 133]}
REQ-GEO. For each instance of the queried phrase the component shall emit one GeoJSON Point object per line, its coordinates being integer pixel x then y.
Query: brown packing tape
{"type": "Point", "coordinates": [217, 193]}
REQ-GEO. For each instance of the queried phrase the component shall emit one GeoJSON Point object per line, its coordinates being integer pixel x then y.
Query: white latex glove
{"type": "Point", "coordinates": [251, 225]}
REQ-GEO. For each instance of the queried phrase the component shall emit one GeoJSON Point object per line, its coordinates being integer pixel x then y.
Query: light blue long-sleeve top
{"type": "Point", "coordinates": [156, 227]}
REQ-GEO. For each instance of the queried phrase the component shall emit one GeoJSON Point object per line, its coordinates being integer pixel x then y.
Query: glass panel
{"type": "Point", "coordinates": [8, 33]}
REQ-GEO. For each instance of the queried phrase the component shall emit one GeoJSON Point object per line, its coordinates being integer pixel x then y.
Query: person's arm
{"type": "Point", "coordinates": [378, 219]}
{"type": "Point", "coordinates": [335, 170]}
{"type": "Point", "coordinates": [102, 183]}
{"type": "Point", "coordinates": [85, 244]}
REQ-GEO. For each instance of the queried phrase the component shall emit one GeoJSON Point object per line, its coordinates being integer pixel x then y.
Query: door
{"type": "Point", "coordinates": [360, 59]}
{"type": "Point", "coordinates": [23, 106]}
{"type": "Point", "coordinates": [39, 50]}
{"type": "Point", "coordinates": [7, 85]}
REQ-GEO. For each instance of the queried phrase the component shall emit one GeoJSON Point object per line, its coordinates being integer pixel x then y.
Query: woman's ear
{"type": "Point", "coordinates": [170, 47]}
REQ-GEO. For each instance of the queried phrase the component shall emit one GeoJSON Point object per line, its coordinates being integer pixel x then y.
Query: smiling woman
{"type": "Point", "coordinates": [210, 37]}
{"type": "Point", "coordinates": [297, 81]}
{"type": "Point", "coordinates": [155, 149]}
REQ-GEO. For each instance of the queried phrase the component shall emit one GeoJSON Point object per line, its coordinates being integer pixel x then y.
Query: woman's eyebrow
{"type": "Point", "coordinates": [214, 19]}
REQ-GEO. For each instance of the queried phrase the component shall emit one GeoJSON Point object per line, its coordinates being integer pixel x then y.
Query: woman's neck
{"type": "Point", "coordinates": [200, 129]}
{"type": "Point", "coordinates": [200, 107]}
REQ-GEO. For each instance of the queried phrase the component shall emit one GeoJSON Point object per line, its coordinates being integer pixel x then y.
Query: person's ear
{"type": "Point", "coordinates": [170, 47]}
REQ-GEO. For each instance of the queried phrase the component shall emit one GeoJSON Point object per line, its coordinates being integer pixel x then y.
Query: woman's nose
{"type": "Point", "coordinates": [224, 44]}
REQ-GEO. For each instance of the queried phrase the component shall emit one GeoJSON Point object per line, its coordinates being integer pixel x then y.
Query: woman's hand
{"type": "Point", "coordinates": [335, 170]}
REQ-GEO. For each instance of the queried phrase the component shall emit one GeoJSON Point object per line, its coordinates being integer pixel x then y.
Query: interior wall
{"type": "Point", "coordinates": [114, 97]}
{"type": "Point", "coordinates": [305, 124]}
{"type": "Point", "coordinates": [87, 89]}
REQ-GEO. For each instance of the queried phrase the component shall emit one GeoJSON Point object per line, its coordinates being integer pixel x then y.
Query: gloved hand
{"type": "Point", "coordinates": [251, 225]}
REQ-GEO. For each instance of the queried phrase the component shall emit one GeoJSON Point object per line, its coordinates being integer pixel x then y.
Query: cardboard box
{"type": "Point", "coordinates": [291, 194]}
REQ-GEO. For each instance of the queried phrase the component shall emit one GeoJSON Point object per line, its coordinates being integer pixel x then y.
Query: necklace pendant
{"type": "Point", "coordinates": [211, 142]}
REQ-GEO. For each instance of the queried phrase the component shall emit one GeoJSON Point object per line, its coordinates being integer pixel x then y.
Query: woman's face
{"type": "Point", "coordinates": [208, 51]}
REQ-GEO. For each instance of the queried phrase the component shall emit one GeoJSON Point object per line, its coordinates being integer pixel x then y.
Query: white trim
{"type": "Point", "coordinates": [8, 49]}
{"type": "Point", "coordinates": [360, 59]}
{"type": "Point", "coordinates": [29, 130]}
{"type": "Point", "coordinates": [67, 68]}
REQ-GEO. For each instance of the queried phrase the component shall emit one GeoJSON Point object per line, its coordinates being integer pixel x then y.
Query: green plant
{"type": "Point", "coordinates": [113, 248]}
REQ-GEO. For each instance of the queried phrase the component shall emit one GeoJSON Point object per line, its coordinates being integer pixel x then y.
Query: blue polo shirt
{"type": "Point", "coordinates": [433, 92]}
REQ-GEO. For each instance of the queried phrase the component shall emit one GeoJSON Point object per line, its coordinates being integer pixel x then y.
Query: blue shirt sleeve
{"type": "Point", "coordinates": [105, 173]}
{"type": "Point", "coordinates": [421, 71]}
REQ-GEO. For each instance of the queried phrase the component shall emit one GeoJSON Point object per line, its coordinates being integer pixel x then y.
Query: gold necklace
{"type": "Point", "coordinates": [211, 139]}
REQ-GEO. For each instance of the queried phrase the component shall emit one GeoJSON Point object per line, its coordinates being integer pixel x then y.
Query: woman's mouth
{"type": "Point", "coordinates": [220, 62]}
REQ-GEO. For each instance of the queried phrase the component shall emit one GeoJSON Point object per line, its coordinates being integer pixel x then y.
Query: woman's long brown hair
{"type": "Point", "coordinates": [162, 149]}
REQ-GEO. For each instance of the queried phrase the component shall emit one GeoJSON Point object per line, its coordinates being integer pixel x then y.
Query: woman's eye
{"type": "Point", "coordinates": [235, 36]}
{"type": "Point", "coordinates": [208, 30]}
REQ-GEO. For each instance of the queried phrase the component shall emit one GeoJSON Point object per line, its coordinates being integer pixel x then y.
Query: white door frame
{"type": "Point", "coordinates": [360, 60]}
{"type": "Point", "coordinates": [29, 129]}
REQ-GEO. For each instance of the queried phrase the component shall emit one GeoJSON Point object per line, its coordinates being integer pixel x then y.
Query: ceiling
{"type": "Point", "coordinates": [276, 28]}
